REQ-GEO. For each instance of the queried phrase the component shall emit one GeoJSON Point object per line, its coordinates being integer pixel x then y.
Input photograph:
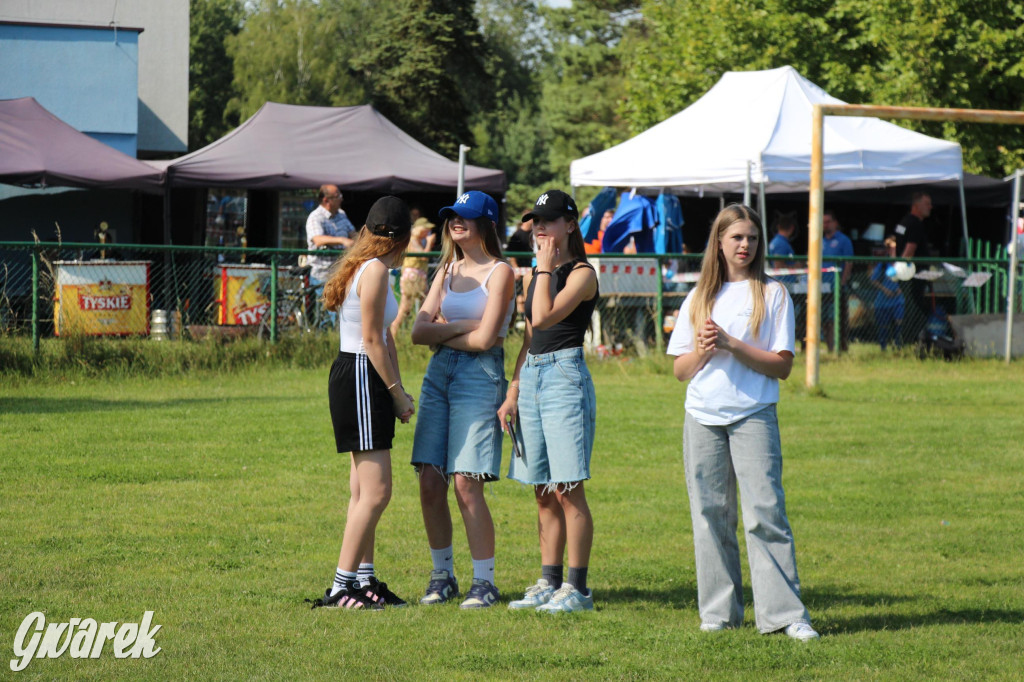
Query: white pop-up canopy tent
{"type": "Point", "coordinates": [754, 128]}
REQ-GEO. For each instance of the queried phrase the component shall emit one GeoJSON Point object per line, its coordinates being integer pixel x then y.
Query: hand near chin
{"type": "Point", "coordinates": [547, 254]}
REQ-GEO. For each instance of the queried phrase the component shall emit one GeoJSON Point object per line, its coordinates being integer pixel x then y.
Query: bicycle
{"type": "Point", "coordinates": [298, 305]}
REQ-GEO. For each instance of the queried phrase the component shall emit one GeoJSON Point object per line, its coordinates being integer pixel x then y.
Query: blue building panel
{"type": "Point", "coordinates": [86, 76]}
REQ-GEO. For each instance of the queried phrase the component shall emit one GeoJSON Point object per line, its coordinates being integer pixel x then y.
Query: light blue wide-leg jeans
{"type": "Point", "coordinates": [747, 453]}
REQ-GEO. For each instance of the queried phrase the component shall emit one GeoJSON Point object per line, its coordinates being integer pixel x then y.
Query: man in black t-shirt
{"type": "Point", "coordinates": [522, 241]}
{"type": "Point", "coordinates": [911, 242]}
{"type": "Point", "coordinates": [911, 239]}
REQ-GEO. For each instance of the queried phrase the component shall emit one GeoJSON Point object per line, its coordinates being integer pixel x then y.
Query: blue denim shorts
{"type": "Point", "coordinates": [457, 427]}
{"type": "Point", "coordinates": [557, 415]}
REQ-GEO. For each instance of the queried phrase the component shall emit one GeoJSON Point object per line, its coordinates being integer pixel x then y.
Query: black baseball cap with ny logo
{"type": "Point", "coordinates": [553, 204]}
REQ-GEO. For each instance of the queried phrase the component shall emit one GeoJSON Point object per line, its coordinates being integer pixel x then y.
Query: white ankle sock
{"type": "Point", "coordinates": [484, 570]}
{"type": "Point", "coordinates": [443, 559]}
{"type": "Point", "coordinates": [364, 574]}
{"type": "Point", "coordinates": [342, 580]}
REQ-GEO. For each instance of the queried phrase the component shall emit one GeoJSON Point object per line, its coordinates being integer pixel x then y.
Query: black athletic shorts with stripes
{"type": "Point", "coordinates": [361, 407]}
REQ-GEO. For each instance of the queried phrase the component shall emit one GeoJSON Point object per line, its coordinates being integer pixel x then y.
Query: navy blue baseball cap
{"type": "Point", "coordinates": [472, 205]}
{"type": "Point", "coordinates": [552, 205]}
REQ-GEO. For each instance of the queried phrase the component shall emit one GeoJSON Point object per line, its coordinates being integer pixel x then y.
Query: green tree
{"type": "Point", "coordinates": [950, 53]}
{"type": "Point", "coordinates": [298, 52]}
{"type": "Point", "coordinates": [507, 131]}
{"type": "Point", "coordinates": [557, 82]}
{"type": "Point", "coordinates": [422, 66]}
{"type": "Point", "coordinates": [944, 53]}
{"type": "Point", "coordinates": [421, 63]}
{"type": "Point", "coordinates": [583, 84]}
{"type": "Point", "coordinates": [210, 68]}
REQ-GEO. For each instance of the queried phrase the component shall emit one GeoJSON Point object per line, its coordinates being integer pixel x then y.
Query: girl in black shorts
{"type": "Point", "coordinates": [366, 395]}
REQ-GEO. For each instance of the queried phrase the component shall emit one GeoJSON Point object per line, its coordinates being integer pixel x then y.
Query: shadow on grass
{"type": "Point", "coordinates": [892, 612]}
{"type": "Point", "coordinates": [682, 597]}
{"type": "Point", "coordinates": [833, 597]}
{"type": "Point", "coordinates": [67, 405]}
{"type": "Point", "coordinates": [907, 621]}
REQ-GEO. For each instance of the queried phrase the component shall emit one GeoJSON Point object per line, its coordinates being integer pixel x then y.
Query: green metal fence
{"type": "Point", "coordinates": [52, 289]}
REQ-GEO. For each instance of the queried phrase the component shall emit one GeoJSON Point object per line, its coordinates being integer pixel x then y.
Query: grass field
{"type": "Point", "coordinates": [215, 501]}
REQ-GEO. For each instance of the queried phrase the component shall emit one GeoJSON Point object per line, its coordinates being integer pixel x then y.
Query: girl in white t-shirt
{"type": "Point", "coordinates": [733, 341]}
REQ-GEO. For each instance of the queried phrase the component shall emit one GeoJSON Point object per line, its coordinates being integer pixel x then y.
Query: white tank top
{"type": "Point", "coordinates": [350, 318]}
{"type": "Point", "coordinates": [470, 305]}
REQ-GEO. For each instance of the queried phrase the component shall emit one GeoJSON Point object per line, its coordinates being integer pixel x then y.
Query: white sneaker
{"type": "Point", "coordinates": [801, 631]}
{"type": "Point", "coordinates": [536, 595]}
{"type": "Point", "coordinates": [712, 627]}
{"type": "Point", "coordinates": [567, 600]}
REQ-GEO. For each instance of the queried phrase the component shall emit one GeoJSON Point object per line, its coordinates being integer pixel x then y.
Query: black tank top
{"type": "Point", "coordinates": [569, 332]}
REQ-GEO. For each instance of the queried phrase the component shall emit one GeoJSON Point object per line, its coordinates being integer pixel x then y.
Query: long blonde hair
{"type": "Point", "coordinates": [713, 270]}
{"type": "Point", "coordinates": [489, 242]}
{"type": "Point", "coordinates": [366, 247]}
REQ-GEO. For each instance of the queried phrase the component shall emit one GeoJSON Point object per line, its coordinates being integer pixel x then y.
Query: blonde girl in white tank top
{"type": "Point", "coordinates": [457, 433]}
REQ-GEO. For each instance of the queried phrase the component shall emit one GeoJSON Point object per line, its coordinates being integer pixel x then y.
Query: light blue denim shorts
{"type": "Point", "coordinates": [557, 415]}
{"type": "Point", "coordinates": [457, 427]}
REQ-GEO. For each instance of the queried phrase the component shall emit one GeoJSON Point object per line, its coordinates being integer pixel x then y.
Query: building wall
{"type": "Point", "coordinates": [163, 48]}
{"type": "Point", "coordinates": [84, 76]}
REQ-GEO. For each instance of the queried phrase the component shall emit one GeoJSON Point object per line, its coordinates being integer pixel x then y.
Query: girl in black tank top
{"type": "Point", "coordinates": [551, 399]}
{"type": "Point", "coordinates": [569, 332]}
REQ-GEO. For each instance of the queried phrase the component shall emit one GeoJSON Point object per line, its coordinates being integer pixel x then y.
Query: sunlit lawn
{"type": "Point", "coordinates": [216, 502]}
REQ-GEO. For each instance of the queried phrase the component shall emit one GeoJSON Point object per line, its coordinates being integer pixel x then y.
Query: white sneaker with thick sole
{"type": "Point", "coordinates": [801, 631]}
{"type": "Point", "coordinates": [567, 599]}
{"type": "Point", "coordinates": [536, 595]}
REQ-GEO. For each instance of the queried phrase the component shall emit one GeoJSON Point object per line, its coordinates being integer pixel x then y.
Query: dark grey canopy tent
{"type": "Point", "coordinates": [37, 148]}
{"type": "Point", "coordinates": [287, 146]}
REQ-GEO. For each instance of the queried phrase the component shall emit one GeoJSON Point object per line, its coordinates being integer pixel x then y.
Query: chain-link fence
{"type": "Point", "coordinates": [50, 289]}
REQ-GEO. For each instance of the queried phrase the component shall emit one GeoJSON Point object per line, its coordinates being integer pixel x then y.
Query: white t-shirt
{"type": "Point", "coordinates": [725, 390]}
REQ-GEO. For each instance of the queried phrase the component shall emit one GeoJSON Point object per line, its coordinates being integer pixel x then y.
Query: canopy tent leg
{"type": "Point", "coordinates": [963, 218]}
{"type": "Point", "coordinates": [746, 185]}
{"type": "Point", "coordinates": [762, 209]}
{"type": "Point", "coordinates": [462, 169]}
{"type": "Point", "coordinates": [1011, 286]}
{"type": "Point", "coordinates": [168, 255]}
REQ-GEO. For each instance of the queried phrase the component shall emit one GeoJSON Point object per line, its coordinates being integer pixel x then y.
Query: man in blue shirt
{"type": "Point", "coordinates": [835, 243]}
{"type": "Point", "coordinates": [782, 245]}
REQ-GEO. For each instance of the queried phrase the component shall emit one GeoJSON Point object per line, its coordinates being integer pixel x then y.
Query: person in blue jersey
{"type": "Point", "coordinates": [835, 243]}
{"type": "Point", "coordinates": [782, 245]}
{"type": "Point", "coordinates": [889, 303]}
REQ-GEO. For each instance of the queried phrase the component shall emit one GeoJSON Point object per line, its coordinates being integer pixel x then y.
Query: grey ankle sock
{"type": "Point", "coordinates": [578, 578]}
{"type": "Point", "coordinates": [553, 574]}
